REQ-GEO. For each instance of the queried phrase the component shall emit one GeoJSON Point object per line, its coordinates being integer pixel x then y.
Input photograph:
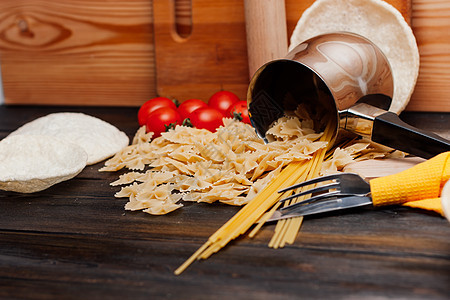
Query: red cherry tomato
{"type": "Point", "coordinates": [187, 107]}
{"type": "Point", "coordinates": [207, 118]}
{"type": "Point", "coordinates": [151, 105]}
{"type": "Point", "coordinates": [241, 110]}
{"type": "Point", "coordinates": [222, 101]}
{"type": "Point", "coordinates": [161, 120]}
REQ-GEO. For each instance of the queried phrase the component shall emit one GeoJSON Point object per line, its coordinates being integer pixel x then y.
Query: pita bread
{"type": "Point", "coordinates": [32, 163]}
{"type": "Point", "coordinates": [379, 22]}
{"type": "Point", "coordinates": [445, 200]}
{"type": "Point", "coordinates": [98, 138]}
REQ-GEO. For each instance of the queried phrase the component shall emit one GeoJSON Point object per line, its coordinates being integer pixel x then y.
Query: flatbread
{"type": "Point", "coordinates": [98, 138]}
{"type": "Point", "coordinates": [445, 200]}
{"type": "Point", "coordinates": [32, 163]}
{"type": "Point", "coordinates": [379, 22]}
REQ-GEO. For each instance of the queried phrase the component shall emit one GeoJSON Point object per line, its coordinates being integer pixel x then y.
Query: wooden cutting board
{"type": "Point", "coordinates": [213, 57]}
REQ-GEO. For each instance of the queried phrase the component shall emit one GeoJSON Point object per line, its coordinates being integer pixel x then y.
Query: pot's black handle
{"type": "Point", "coordinates": [390, 130]}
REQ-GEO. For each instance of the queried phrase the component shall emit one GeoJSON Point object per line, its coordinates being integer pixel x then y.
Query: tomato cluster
{"type": "Point", "coordinates": [160, 114]}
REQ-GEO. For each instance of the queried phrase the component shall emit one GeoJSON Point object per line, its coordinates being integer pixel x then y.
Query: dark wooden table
{"type": "Point", "coordinates": [76, 241]}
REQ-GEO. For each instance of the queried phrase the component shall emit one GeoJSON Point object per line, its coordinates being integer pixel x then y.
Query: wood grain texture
{"type": "Point", "coordinates": [266, 32]}
{"type": "Point", "coordinates": [431, 26]}
{"type": "Point", "coordinates": [183, 18]}
{"type": "Point", "coordinates": [78, 52]}
{"type": "Point", "coordinates": [212, 58]}
{"type": "Point", "coordinates": [76, 241]}
{"type": "Point", "coordinates": [102, 52]}
{"type": "Point", "coordinates": [198, 66]}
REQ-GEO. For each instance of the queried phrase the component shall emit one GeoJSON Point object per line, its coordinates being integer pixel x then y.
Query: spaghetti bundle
{"type": "Point", "coordinates": [249, 215]}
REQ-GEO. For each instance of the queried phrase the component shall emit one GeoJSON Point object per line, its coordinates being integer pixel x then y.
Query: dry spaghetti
{"type": "Point", "coordinates": [255, 209]}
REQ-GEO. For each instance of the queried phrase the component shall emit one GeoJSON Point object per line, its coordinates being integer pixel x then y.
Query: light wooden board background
{"type": "Point", "coordinates": [102, 52]}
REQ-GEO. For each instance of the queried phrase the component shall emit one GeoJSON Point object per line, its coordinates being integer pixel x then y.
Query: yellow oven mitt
{"type": "Point", "coordinates": [422, 182]}
{"type": "Point", "coordinates": [427, 204]}
{"type": "Point", "coordinates": [440, 205]}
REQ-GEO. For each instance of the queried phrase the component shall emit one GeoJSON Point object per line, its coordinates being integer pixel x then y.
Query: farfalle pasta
{"type": "Point", "coordinates": [230, 165]}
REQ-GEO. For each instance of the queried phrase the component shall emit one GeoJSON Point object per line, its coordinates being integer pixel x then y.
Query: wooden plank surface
{"type": "Point", "coordinates": [75, 241]}
{"type": "Point", "coordinates": [431, 26]}
{"type": "Point", "coordinates": [77, 52]}
{"type": "Point", "coordinates": [100, 52]}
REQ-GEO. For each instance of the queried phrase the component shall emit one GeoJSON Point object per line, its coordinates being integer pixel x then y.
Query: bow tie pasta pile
{"type": "Point", "coordinates": [230, 165]}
